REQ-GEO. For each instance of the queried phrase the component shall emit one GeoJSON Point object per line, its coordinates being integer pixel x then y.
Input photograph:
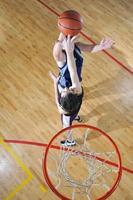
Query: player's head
{"type": "Point", "coordinates": [69, 102]}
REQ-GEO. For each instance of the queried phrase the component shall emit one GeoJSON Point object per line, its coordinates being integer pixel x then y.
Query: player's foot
{"type": "Point", "coordinates": [68, 143]}
{"type": "Point", "coordinates": [77, 118]}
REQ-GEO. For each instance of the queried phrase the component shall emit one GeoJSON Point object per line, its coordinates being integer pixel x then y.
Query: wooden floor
{"type": "Point", "coordinates": [28, 112]}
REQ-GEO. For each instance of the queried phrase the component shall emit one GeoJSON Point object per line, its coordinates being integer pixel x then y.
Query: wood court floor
{"type": "Point", "coordinates": [28, 112]}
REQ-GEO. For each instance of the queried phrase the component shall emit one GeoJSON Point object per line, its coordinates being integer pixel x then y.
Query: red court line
{"type": "Point", "coordinates": [58, 147]}
{"type": "Point", "coordinates": [52, 10]}
{"type": "Point", "coordinates": [92, 41]}
{"type": "Point", "coordinates": [108, 54]}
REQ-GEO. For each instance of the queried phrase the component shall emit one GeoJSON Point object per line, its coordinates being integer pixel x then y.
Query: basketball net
{"type": "Point", "coordinates": [81, 172]}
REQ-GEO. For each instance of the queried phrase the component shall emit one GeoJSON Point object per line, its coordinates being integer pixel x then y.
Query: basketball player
{"type": "Point", "coordinates": [68, 89]}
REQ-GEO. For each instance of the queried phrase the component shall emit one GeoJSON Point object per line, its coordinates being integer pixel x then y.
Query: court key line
{"type": "Point", "coordinates": [57, 147]}
{"type": "Point", "coordinates": [23, 167]}
{"type": "Point", "coordinates": [92, 41]}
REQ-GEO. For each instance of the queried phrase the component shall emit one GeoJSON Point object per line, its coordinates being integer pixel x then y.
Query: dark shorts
{"type": "Point", "coordinates": [67, 120]}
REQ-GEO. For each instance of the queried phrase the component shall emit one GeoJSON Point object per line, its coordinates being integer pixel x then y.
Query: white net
{"type": "Point", "coordinates": [82, 172]}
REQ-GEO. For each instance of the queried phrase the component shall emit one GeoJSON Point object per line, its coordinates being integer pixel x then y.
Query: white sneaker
{"type": "Point", "coordinates": [68, 143]}
{"type": "Point", "coordinates": [78, 119]}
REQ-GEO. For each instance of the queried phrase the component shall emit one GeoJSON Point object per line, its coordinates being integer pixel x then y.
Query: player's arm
{"type": "Point", "coordinates": [55, 81]}
{"type": "Point", "coordinates": [85, 47]}
{"type": "Point", "coordinates": [106, 43]}
{"type": "Point", "coordinates": [69, 48]}
{"type": "Point", "coordinates": [57, 50]}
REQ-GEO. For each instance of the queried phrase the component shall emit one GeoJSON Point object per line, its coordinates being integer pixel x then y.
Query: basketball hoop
{"type": "Point", "coordinates": [96, 166]}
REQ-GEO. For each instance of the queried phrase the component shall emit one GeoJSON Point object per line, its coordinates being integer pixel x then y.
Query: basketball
{"type": "Point", "coordinates": [70, 22]}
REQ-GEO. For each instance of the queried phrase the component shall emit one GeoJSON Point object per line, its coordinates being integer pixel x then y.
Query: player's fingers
{"type": "Point", "coordinates": [102, 41]}
{"type": "Point", "coordinates": [68, 38]}
{"type": "Point", "coordinates": [62, 36]}
{"type": "Point", "coordinates": [64, 42]}
{"type": "Point", "coordinates": [109, 40]}
{"type": "Point", "coordinates": [75, 38]}
{"type": "Point", "coordinates": [51, 73]}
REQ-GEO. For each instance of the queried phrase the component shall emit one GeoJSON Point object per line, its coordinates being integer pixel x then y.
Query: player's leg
{"type": "Point", "coordinates": [66, 122]}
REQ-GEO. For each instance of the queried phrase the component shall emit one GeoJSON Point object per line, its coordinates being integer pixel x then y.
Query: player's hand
{"type": "Point", "coordinates": [53, 76]}
{"type": "Point", "coordinates": [68, 43]}
{"type": "Point", "coordinates": [106, 43]}
{"type": "Point", "coordinates": [61, 37]}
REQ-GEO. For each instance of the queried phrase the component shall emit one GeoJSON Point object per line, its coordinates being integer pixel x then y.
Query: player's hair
{"type": "Point", "coordinates": [70, 103]}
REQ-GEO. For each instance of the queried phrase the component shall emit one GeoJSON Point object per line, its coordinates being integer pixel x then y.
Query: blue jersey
{"type": "Point", "coordinates": [65, 79]}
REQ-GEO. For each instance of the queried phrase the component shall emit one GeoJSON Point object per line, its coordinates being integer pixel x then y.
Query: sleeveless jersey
{"type": "Point", "coordinates": [64, 76]}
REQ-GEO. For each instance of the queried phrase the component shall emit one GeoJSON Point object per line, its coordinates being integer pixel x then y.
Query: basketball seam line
{"type": "Point", "coordinates": [69, 28]}
{"type": "Point", "coordinates": [69, 18]}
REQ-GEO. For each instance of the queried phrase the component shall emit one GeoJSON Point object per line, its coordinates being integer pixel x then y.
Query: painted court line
{"type": "Point", "coordinates": [22, 165]}
{"type": "Point", "coordinates": [57, 147]}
